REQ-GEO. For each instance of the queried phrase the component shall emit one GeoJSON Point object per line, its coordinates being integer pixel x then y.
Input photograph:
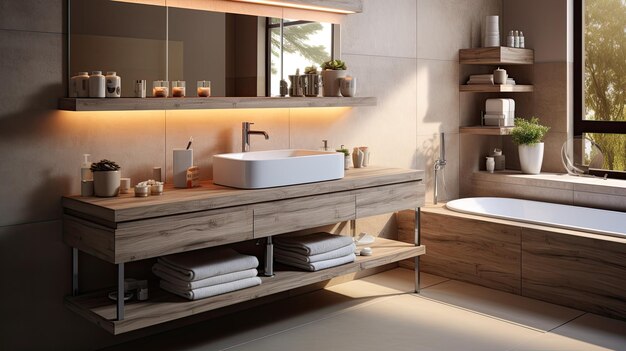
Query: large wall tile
{"type": "Point", "coordinates": [383, 29]}
{"type": "Point", "coordinates": [34, 15]}
{"type": "Point", "coordinates": [550, 96]}
{"type": "Point", "coordinates": [428, 148]}
{"type": "Point", "coordinates": [544, 24]}
{"type": "Point", "coordinates": [219, 131]}
{"type": "Point", "coordinates": [388, 129]}
{"type": "Point", "coordinates": [36, 273]}
{"type": "Point", "coordinates": [437, 97]}
{"type": "Point", "coordinates": [445, 26]}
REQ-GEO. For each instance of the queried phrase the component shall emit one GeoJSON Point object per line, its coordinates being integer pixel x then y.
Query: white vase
{"type": "Point", "coordinates": [531, 158]}
{"type": "Point", "coordinates": [106, 183]}
{"type": "Point", "coordinates": [331, 82]}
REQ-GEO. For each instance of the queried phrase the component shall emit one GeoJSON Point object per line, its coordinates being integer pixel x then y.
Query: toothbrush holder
{"type": "Point", "coordinates": [183, 159]}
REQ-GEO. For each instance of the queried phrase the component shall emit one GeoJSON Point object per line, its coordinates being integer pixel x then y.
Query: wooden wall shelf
{"type": "Point", "coordinates": [194, 103]}
{"type": "Point", "coordinates": [485, 130]}
{"type": "Point", "coordinates": [163, 306]}
{"type": "Point", "coordinates": [485, 88]}
{"type": "Point", "coordinates": [501, 55]}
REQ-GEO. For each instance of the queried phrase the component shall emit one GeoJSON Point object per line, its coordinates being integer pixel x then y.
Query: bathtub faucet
{"type": "Point", "coordinates": [440, 163]}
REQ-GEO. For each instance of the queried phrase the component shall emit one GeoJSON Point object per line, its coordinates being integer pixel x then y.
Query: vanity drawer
{"type": "Point", "coordinates": [389, 198]}
{"type": "Point", "coordinates": [285, 216]}
{"type": "Point", "coordinates": [138, 240]}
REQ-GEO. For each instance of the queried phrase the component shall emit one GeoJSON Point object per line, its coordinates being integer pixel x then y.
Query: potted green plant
{"type": "Point", "coordinates": [106, 178]}
{"type": "Point", "coordinates": [528, 135]}
{"type": "Point", "coordinates": [332, 71]}
{"type": "Point", "coordinates": [346, 154]}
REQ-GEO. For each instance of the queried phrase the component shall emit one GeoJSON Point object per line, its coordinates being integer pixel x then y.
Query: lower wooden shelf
{"type": "Point", "coordinates": [485, 130]}
{"type": "Point", "coordinates": [163, 306]}
{"type": "Point", "coordinates": [497, 88]}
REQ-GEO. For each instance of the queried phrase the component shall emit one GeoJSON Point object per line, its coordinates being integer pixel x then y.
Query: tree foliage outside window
{"type": "Point", "coordinates": [605, 74]}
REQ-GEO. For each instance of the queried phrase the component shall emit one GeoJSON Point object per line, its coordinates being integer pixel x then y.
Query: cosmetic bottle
{"type": "Point", "coordinates": [521, 40]}
{"type": "Point", "coordinates": [516, 39]}
{"type": "Point", "coordinates": [510, 39]}
{"type": "Point", "coordinates": [97, 86]}
{"type": "Point", "coordinates": [113, 85]}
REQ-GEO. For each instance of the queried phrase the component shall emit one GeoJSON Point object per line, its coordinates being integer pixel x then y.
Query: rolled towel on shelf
{"type": "Point", "coordinates": [201, 293]}
{"type": "Point", "coordinates": [202, 264]}
{"type": "Point", "coordinates": [173, 277]}
{"type": "Point", "coordinates": [312, 244]}
{"type": "Point", "coordinates": [317, 266]}
{"type": "Point", "coordinates": [295, 255]}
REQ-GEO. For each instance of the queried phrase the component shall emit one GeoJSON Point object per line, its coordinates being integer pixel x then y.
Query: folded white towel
{"type": "Point", "coordinates": [173, 277]}
{"type": "Point", "coordinates": [316, 266]}
{"type": "Point", "coordinates": [201, 264]}
{"type": "Point", "coordinates": [209, 291]}
{"type": "Point", "coordinates": [312, 244]}
{"type": "Point", "coordinates": [288, 254]}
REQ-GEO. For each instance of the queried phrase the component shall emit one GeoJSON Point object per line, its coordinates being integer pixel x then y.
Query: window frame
{"type": "Point", "coordinates": [581, 125]}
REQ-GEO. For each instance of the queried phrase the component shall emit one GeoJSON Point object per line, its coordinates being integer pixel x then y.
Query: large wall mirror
{"type": "Point", "coordinates": [241, 55]}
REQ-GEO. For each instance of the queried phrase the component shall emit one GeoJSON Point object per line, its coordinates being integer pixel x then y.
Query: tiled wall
{"type": "Point", "coordinates": [405, 54]}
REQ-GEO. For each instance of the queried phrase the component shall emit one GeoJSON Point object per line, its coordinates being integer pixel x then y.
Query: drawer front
{"type": "Point", "coordinates": [138, 240]}
{"type": "Point", "coordinates": [389, 198]}
{"type": "Point", "coordinates": [289, 215]}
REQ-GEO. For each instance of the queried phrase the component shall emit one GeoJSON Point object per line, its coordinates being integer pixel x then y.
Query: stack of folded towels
{"type": "Point", "coordinates": [203, 273]}
{"type": "Point", "coordinates": [314, 252]}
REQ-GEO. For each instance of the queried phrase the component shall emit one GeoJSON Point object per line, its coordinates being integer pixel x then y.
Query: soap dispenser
{"type": "Point", "coordinates": [85, 169]}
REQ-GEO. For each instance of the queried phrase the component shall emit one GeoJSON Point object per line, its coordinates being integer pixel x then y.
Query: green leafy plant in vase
{"type": "Point", "coordinates": [528, 135]}
{"type": "Point", "coordinates": [332, 72]}
{"type": "Point", "coordinates": [106, 178]}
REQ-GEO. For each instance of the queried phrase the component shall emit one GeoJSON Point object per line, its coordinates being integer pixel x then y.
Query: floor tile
{"type": "Point", "coordinates": [404, 322]}
{"type": "Point", "coordinates": [527, 312]}
{"type": "Point", "coordinates": [396, 281]}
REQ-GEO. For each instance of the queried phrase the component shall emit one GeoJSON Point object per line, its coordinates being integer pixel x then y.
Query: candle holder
{"type": "Point", "coordinates": [178, 88]}
{"type": "Point", "coordinates": [160, 88]}
{"type": "Point", "coordinates": [204, 88]}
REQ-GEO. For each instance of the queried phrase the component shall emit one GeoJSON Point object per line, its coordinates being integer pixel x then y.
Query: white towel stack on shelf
{"type": "Point", "coordinates": [482, 79]}
{"type": "Point", "coordinates": [314, 252]}
{"type": "Point", "coordinates": [203, 273]}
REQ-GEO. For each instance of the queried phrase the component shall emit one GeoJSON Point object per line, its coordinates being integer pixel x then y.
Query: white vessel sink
{"type": "Point", "coordinates": [266, 169]}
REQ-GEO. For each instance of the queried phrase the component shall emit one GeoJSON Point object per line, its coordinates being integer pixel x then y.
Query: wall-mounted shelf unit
{"type": "Point", "coordinates": [497, 88]}
{"type": "Point", "coordinates": [485, 130]}
{"type": "Point", "coordinates": [501, 55]}
{"type": "Point", "coordinates": [193, 103]}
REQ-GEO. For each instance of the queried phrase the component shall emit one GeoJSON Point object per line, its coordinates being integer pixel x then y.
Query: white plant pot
{"type": "Point", "coordinates": [531, 158]}
{"type": "Point", "coordinates": [331, 82]}
{"type": "Point", "coordinates": [106, 183]}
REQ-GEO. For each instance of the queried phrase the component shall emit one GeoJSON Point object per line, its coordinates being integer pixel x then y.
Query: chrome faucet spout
{"type": "Point", "coordinates": [245, 135]}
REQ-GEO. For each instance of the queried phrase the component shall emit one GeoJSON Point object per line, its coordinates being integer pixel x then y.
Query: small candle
{"type": "Point", "coordinates": [178, 88]}
{"type": "Point", "coordinates": [204, 88]}
{"type": "Point", "coordinates": [160, 88]}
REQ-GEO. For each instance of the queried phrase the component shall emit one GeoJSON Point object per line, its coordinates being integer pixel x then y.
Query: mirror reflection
{"type": "Point", "coordinates": [239, 54]}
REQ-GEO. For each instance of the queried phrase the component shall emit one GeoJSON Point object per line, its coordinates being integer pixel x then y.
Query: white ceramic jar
{"type": "Point", "coordinates": [97, 85]}
{"type": "Point", "coordinates": [80, 85]}
{"type": "Point", "coordinates": [113, 85]}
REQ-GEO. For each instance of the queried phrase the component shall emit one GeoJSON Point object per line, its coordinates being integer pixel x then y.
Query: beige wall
{"type": "Point", "coordinates": [405, 54]}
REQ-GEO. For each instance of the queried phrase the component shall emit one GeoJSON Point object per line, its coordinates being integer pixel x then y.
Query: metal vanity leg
{"type": "Point", "coordinates": [269, 258]}
{"type": "Point", "coordinates": [353, 228]}
{"type": "Point", "coordinates": [74, 271]}
{"type": "Point", "coordinates": [120, 291]}
{"type": "Point", "coordinates": [417, 243]}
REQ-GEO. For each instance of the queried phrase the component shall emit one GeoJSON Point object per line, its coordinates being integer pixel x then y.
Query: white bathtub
{"type": "Point", "coordinates": [564, 216]}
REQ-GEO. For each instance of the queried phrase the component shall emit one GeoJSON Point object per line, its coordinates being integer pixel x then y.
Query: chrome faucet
{"type": "Point", "coordinates": [245, 135]}
{"type": "Point", "coordinates": [440, 163]}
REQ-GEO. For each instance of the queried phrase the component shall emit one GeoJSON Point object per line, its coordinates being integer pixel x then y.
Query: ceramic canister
{"type": "Point", "coordinates": [348, 86]}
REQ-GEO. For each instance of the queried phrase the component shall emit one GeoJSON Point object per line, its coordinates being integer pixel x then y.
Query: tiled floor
{"type": "Point", "coordinates": [381, 313]}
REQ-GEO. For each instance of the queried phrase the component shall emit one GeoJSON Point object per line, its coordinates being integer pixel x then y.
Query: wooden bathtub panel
{"type": "Point", "coordinates": [575, 271]}
{"type": "Point", "coordinates": [474, 251]}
